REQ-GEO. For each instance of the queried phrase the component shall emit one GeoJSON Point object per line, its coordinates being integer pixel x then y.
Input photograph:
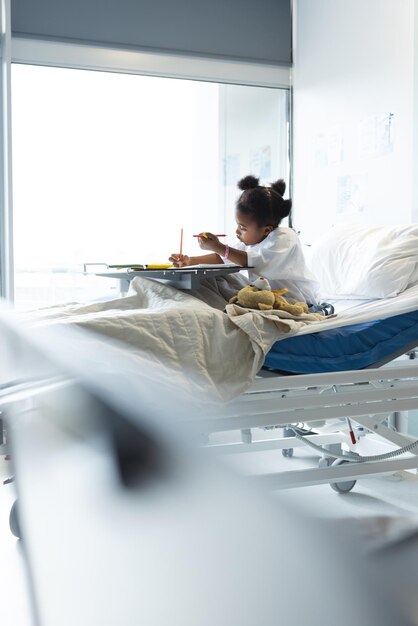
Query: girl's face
{"type": "Point", "coordinates": [248, 230]}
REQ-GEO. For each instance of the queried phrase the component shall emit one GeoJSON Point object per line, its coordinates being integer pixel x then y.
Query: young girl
{"type": "Point", "coordinates": [271, 250]}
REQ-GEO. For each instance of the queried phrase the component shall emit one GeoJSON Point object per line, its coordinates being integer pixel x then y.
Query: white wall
{"type": "Point", "coordinates": [354, 106]}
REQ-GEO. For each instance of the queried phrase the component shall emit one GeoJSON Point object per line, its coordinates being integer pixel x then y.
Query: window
{"type": "Point", "coordinates": [107, 168]}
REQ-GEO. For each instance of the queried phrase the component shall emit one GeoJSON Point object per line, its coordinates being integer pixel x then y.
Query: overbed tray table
{"type": "Point", "coordinates": [181, 278]}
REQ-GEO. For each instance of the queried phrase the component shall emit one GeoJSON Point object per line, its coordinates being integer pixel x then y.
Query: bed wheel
{"type": "Point", "coordinates": [14, 521]}
{"type": "Point", "coordinates": [287, 452]}
{"type": "Point", "coordinates": [343, 487]}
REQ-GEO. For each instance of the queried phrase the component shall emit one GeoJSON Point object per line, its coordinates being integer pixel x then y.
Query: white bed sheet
{"type": "Point", "coordinates": [359, 311]}
{"type": "Point", "coordinates": [343, 305]}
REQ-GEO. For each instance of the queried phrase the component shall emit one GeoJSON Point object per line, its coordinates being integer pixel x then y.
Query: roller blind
{"type": "Point", "coordinates": [230, 29]}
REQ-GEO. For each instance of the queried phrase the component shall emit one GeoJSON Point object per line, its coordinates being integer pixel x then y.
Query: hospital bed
{"type": "Point", "coordinates": [328, 390]}
{"type": "Point", "coordinates": [330, 383]}
{"type": "Point", "coordinates": [328, 387]}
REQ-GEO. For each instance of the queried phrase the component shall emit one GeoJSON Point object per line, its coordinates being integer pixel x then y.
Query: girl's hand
{"type": "Point", "coordinates": [180, 260]}
{"type": "Point", "coordinates": [208, 241]}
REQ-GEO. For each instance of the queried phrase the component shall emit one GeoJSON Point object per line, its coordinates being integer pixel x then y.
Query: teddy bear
{"type": "Point", "coordinates": [297, 308]}
{"type": "Point", "coordinates": [259, 295]}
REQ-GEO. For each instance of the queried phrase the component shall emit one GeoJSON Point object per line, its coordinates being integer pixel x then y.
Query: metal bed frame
{"type": "Point", "coordinates": [370, 397]}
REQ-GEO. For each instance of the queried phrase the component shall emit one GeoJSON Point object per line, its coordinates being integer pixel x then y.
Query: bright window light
{"type": "Point", "coordinates": [107, 168]}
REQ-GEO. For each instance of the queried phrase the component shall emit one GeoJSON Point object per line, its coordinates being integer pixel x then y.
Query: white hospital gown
{"type": "Point", "coordinates": [279, 258]}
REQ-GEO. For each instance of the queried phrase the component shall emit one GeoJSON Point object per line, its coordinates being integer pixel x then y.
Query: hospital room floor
{"type": "Point", "coordinates": [378, 509]}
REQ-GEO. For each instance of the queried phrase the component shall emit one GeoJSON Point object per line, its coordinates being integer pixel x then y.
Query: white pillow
{"type": "Point", "coordinates": [365, 262]}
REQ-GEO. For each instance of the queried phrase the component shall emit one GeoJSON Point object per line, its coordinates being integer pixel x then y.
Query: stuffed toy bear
{"type": "Point", "coordinates": [251, 297]}
{"type": "Point", "coordinates": [297, 308]}
{"type": "Point", "coordinates": [259, 295]}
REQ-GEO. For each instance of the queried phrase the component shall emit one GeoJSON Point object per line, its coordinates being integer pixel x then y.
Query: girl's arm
{"type": "Point", "coordinates": [211, 242]}
{"type": "Point", "coordinates": [239, 257]}
{"type": "Point", "coordinates": [182, 260]}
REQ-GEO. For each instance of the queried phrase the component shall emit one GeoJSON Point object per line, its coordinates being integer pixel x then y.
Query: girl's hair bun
{"type": "Point", "coordinates": [279, 186]}
{"type": "Point", "coordinates": [286, 208]}
{"type": "Point", "coordinates": [248, 182]}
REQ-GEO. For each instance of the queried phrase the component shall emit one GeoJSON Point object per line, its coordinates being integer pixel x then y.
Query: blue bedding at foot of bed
{"type": "Point", "coordinates": [345, 348]}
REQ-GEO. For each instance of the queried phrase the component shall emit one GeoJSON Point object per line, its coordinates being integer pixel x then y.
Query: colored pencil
{"type": "Point", "coordinates": [205, 235]}
{"type": "Point", "coordinates": [181, 242]}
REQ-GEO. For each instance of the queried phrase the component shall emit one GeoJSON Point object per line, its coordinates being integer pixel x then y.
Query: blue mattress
{"type": "Point", "coordinates": [345, 348]}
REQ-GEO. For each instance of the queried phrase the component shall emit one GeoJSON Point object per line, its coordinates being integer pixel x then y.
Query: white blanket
{"type": "Point", "coordinates": [204, 348]}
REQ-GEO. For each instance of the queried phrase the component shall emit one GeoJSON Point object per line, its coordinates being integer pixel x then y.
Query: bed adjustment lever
{"type": "Point", "coordinates": [351, 431]}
